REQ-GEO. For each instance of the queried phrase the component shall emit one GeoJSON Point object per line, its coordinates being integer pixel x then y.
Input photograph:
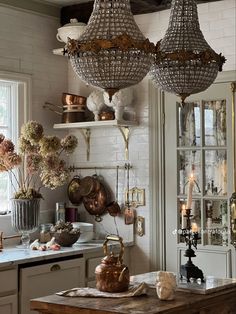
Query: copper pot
{"type": "Point", "coordinates": [72, 116]}
{"type": "Point", "coordinates": [89, 187]}
{"type": "Point", "coordinates": [73, 191]}
{"type": "Point", "coordinates": [96, 205]}
{"type": "Point", "coordinates": [72, 99]}
{"type": "Point", "coordinates": [112, 275]}
{"type": "Point", "coordinates": [67, 116]}
{"type": "Point", "coordinates": [106, 115]}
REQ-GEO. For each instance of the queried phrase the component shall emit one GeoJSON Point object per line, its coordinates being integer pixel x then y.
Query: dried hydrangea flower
{"type": "Point", "coordinates": [33, 162]}
{"type": "Point", "coordinates": [49, 144]}
{"type": "Point", "coordinates": [54, 179]}
{"type": "Point", "coordinates": [32, 131]}
{"type": "Point", "coordinates": [6, 146]}
{"type": "Point", "coordinates": [51, 161]}
{"type": "Point", "coordinates": [27, 194]}
{"type": "Point", "coordinates": [26, 146]}
{"type": "Point", "coordinates": [14, 159]}
{"type": "Point", "coordinates": [69, 143]}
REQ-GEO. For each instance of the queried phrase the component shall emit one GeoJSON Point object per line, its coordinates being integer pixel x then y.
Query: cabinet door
{"type": "Point", "coordinates": [8, 305]}
{"type": "Point", "coordinates": [42, 280]}
{"type": "Point", "coordinates": [198, 162]}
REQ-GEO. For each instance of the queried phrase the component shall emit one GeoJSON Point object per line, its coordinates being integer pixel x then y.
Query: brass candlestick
{"type": "Point", "coordinates": [189, 270]}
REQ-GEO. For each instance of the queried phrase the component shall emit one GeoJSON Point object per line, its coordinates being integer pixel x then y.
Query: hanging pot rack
{"type": "Point", "coordinates": [124, 167]}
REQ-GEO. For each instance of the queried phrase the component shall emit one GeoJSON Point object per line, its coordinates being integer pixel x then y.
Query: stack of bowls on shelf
{"type": "Point", "coordinates": [73, 108]}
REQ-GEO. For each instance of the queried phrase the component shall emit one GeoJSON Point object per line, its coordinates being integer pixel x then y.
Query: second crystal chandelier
{"type": "Point", "coordinates": [184, 62]}
{"type": "Point", "coordinates": [112, 53]}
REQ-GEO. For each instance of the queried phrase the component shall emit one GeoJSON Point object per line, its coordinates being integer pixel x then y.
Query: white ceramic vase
{"type": "Point", "coordinates": [120, 100]}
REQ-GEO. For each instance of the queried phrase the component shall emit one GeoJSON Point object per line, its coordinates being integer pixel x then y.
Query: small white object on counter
{"type": "Point", "coordinates": [166, 285]}
{"type": "Point", "coordinates": [86, 231]}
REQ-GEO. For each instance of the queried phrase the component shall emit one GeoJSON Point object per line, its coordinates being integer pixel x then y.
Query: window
{"type": "Point", "coordinates": [8, 127]}
{"type": "Point", "coordinates": [14, 100]}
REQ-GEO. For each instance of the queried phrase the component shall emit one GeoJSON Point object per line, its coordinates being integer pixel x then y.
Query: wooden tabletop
{"type": "Point", "coordinates": [221, 302]}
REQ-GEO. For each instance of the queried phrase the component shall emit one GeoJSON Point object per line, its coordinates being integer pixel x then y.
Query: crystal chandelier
{"type": "Point", "coordinates": [184, 62]}
{"type": "Point", "coordinates": [112, 53]}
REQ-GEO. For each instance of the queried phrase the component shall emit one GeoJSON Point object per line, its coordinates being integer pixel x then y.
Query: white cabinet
{"type": "Point", "coordinates": [8, 291]}
{"type": "Point", "coordinates": [42, 280]}
{"type": "Point", "coordinates": [8, 304]}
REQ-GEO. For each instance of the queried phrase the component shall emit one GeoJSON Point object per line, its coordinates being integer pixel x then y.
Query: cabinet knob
{"type": "Point", "coordinates": [55, 267]}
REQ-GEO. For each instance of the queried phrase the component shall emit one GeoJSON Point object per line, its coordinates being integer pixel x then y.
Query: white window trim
{"type": "Point", "coordinates": [24, 96]}
{"type": "Point", "coordinates": [25, 93]}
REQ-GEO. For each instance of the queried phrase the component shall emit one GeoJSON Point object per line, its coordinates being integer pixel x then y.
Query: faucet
{"type": "Point", "coordinates": [5, 238]}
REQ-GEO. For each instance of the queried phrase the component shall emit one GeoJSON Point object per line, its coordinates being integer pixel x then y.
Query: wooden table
{"type": "Point", "coordinates": [223, 302]}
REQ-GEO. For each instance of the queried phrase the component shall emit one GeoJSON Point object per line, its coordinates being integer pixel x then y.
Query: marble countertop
{"type": "Point", "coordinates": [211, 284]}
{"type": "Point", "coordinates": [11, 256]}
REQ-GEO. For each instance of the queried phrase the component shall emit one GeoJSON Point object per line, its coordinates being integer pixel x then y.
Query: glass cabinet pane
{"type": "Point", "coordinates": [216, 222]}
{"type": "Point", "coordinates": [189, 164]}
{"type": "Point", "coordinates": [195, 219]}
{"type": "Point", "coordinates": [215, 122]}
{"type": "Point", "coordinates": [215, 172]}
{"type": "Point", "coordinates": [189, 124]}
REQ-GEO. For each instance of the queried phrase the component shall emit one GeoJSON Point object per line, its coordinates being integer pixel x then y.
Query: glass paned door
{"type": "Point", "coordinates": [197, 150]}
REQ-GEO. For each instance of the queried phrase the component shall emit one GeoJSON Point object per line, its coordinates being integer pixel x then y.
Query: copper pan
{"type": "Point", "coordinates": [68, 116]}
{"type": "Point", "coordinates": [72, 99]}
{"type": "Point", "coordinates": [73, 191]}
{"type": "Point", "coordinates": [96, 205]}
{"type": "Point", "coordinates": [90, 185]}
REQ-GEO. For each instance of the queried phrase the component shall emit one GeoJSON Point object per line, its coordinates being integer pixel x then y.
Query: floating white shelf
{"type": "Point", "coordinates": [85, 130]}
{"type": "Point", "coordinates": [95, 124]}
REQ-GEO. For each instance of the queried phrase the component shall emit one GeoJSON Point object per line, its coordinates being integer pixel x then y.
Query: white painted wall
{"type": "Point", "coordinates": [26, 43]}
{"type": "Point", "coordinates": [217, 20]}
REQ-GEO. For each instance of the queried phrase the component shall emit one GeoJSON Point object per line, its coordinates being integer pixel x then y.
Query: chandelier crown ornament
{"type": "Point", "coordinates": [112, 53]}
{"type": "Point", "coordinates": [185, 64]}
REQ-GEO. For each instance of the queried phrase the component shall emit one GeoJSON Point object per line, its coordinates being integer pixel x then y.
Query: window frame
{"type": "Point", "coordinates": [24, 100]}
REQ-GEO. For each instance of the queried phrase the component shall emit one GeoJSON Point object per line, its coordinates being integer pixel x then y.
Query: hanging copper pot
{"type": "Point", "coordinates": [96, 204]}
{"type": "Point", "coordinates": [112, 275]}
{"type": "Point", "coordinates": [90, 185]}
{"type": "Point", "coordinates": [73, 191]}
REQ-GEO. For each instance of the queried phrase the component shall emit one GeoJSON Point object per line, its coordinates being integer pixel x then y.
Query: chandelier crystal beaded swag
{"type": "Point", "coordinates": [112, 53]}
{"type": "Point", "coordinates": [184, 62]}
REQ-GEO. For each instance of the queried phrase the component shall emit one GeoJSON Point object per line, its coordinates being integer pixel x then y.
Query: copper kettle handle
{"type": "Point", "coordinates": [117, 239]}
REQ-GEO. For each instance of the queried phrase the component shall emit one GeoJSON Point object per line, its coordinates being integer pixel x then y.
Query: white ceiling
{"type": "Point", "coordinates": [63, 2]}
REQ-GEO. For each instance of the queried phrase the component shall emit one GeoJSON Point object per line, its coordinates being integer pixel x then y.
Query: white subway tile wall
{"type": "Point", "coordinates": [26, 43]}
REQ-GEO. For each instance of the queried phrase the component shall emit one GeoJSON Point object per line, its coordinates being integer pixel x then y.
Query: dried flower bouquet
{"type": "Point", "coordinates": [39, 156]}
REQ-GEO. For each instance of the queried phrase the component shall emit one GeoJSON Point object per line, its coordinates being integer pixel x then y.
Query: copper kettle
{"type": "Point", "coordinates": [112, 275]}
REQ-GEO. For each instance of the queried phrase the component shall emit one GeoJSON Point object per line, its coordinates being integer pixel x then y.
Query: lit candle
{"type": "Point", "coordinates": [183, 219]}
{"type": "Point", "coordinates": [190, 191]}
{"type": "Point", "coordinates": [194, 227]}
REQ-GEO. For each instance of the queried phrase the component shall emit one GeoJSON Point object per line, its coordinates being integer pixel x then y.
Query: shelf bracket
{"type": "Point", "coordinates": [86, 133]}
{"type": "Point", "coordinates": [125, 131]}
